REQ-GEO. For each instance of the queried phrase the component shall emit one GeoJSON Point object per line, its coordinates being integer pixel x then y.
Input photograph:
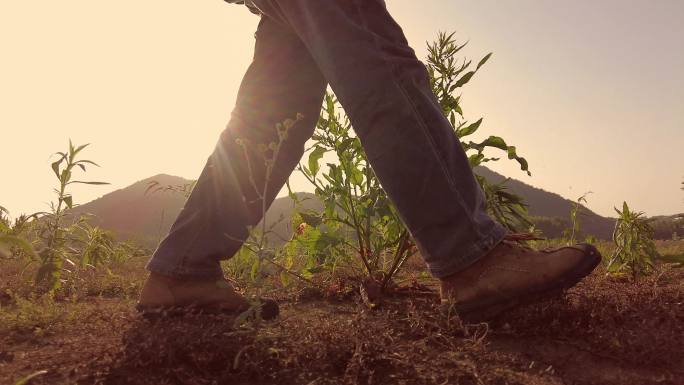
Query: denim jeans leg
{"type": "Point", "coordinates": [385, 90]}
{"type": "Point", "coordinates": [282, 81]}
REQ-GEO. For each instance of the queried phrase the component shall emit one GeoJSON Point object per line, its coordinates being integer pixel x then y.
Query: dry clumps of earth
{"type": "Point", "coordinates": [604, 331]}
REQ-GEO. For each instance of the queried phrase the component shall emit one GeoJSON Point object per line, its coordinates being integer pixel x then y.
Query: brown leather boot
{"type": "Point", "coordinates": [512, 275]}
{"type": "Point", "coordinates": [162, 293]}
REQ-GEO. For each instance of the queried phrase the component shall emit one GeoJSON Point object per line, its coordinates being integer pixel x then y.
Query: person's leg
{"type": "Point", "coordinates": [412, 148]}
{"type": "Point", "coordinates": [281, 82]}
{"type": "Point", "coordinates": [385, 90]}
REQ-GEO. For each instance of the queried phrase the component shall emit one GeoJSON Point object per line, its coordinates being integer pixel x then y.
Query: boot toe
{"type": "Point", "coordinates": [592, 257]}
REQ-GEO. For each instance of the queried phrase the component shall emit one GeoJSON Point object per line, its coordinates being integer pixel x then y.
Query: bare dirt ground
{"type": "Point", "coordinates": [604, 331]}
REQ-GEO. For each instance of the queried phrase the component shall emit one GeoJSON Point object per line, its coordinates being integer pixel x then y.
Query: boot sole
{"type": "Point", "coordinates": [481, 311]}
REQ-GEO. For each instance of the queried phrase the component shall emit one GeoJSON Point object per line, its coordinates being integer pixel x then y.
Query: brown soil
{"type": "Point", "coordinates": [604, 331]}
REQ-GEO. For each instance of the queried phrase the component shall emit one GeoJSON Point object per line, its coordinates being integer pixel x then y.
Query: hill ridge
{"type": "Point", "coordinates": [132, 214]}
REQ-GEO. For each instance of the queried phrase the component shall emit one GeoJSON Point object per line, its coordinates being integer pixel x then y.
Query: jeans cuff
{"type": "Point", "coordinates": [155, 266]}
{"type": "Point", "coordinates": [473, 254]}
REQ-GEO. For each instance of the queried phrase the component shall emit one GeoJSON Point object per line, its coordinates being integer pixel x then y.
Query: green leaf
{"type": "Point", "coordinates": [475, 159]}
{"type": "Point", "coordinates": [495, 141]}
{"type": "Point", "coordinates": [255, 269]}
{"type": "Point", "coordinates": [470, 129]}
{"type": "Point", "coordinates": [356, 176]}
{"type": "Point", "coordinates": [291, 193]}
{"type": "Point", "coordinates": [71, 151]}
{"type": "Point", "coordinates": [330, 206]}
{"type": "Point", "coordinates": [284, 278]}
{"type": "Point", "coordinates": [330, 103]}
{"type": "Point", "coordinates": [464, 80]}
{"type": "Point", "coordinates": [79, 148]}
{"type": "Point", "coordinates": [68, 199]}
{"type": "Point", "coordinates": [89, 162]}
{"type": "Point", "coordinates": [483, 61]}
{"type": "Point", "coordinates": [311, 218]}
{"type": "Point", "coordinates": [512, 154]}
{"type": "Point", "coordinates": [314, 158]}
{"type": "Point", "coordinates": [315, 269]}
{"type": "Point", "coordinates": [452, 119]}
{"type": "Point", "coordinates": [55, 166]}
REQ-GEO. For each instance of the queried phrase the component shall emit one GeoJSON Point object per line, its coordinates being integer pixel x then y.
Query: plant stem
{"type": "Point", "coordinates": [398, 256]}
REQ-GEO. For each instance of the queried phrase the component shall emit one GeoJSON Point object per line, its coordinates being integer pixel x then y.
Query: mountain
{"type": "Point", "coordinates": [134, 215]}
{"type": "Point", "coordinates": [550, 211]}
{"type": "Point", "coordinates": [668, 226]}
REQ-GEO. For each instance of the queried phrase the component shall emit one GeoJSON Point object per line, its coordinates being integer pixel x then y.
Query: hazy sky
{"type": "Point", "coordinates": [590, 91]}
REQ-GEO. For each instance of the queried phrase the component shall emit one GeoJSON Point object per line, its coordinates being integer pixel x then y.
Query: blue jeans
{"type": "Point", "coordinates": [357, 48]}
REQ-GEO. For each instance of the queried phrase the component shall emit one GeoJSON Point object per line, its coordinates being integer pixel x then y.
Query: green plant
{"type": "Point", "coordinates": [358, 216]}
{"type": "Point", "coordinates": [37, 316]}
{"type": "Point", "coordinates": [314, 248]}
{"type": "Point", "coordinates": [58, 230]}
{"type": "Point", "coordinates": [257, 259]}
{"type": "Point", "coordinates": [4, 218]}
{"type": "Point", "coordinates": [633, 238]}
{"type": "Point", "coordinates": [448, 74]}
{"type": "Point", "coordinates": [10, 245]}
{"type": "Point", "coordinates": [506, 207]}
{"type": "Point", "coordinates": [98, 246]}
{"type": "Point", "coordinates": [575, 222]}
{"type": "Point", "coordinates": [13, 244]}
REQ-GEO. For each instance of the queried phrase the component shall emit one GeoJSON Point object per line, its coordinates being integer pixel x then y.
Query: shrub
{"type": "Point", "coordinates": [633, 237]}
{"type": "Point", "coordinates": [58, 230]}
{"type": "Point", "coordinates": [357, 205]}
